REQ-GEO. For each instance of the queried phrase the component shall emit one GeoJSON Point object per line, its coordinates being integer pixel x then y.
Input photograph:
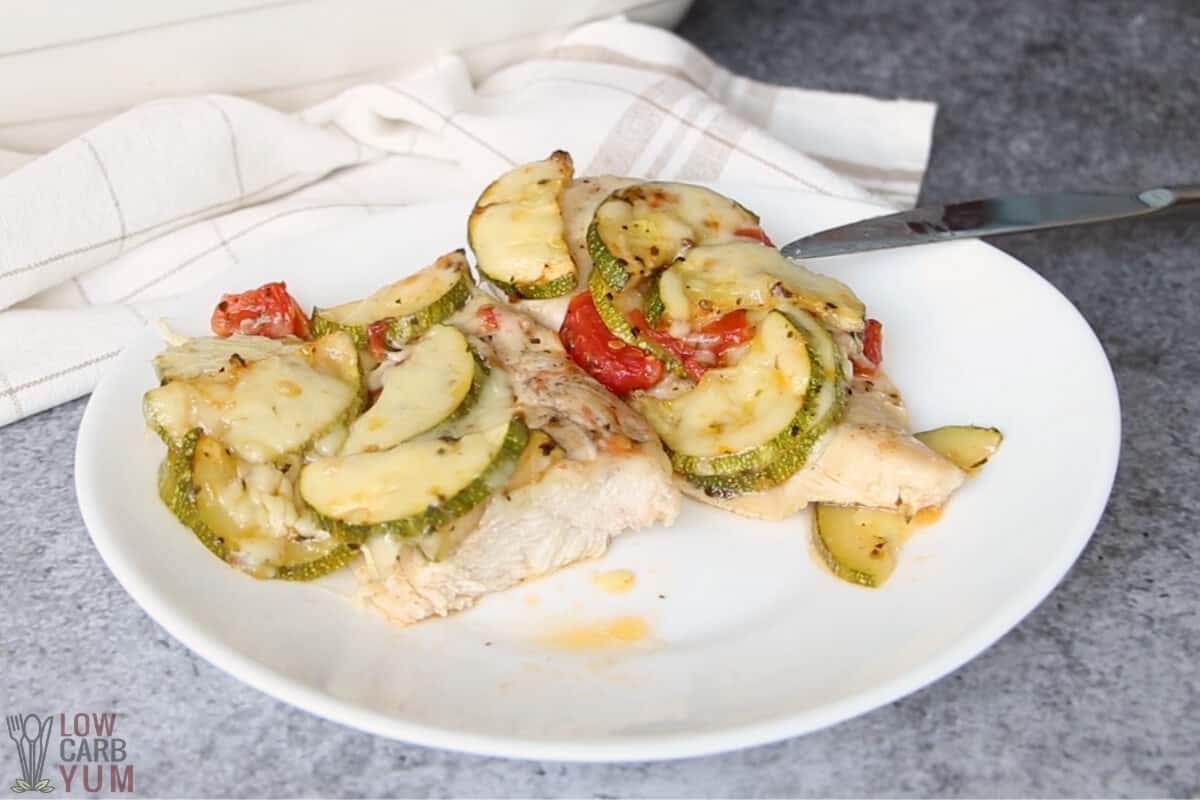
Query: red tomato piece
{"type": "Point", "coordinates": [872, 355]}
{"type": "Point", "coordinates": [754, 232]}
{"type": "Point", "coordinates": [266, 311]}
{"type": "Point", "coordinates": [487, 315]}
{"type": "Point", "coordinates": [725, 332]}
{"type": "Point", "coordinates": [701, 351]}
{"type": "Point", "coordinates": [615, 364]}
{"type": "Point", "coordinates": [685, 352]}
{"type": "Point", "coordinates": [377, 339]}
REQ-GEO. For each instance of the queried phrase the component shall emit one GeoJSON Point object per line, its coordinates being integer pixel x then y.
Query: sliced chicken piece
{"type": "Point", "coordinates": [614, 477]}
{"type": "Point", "coordinates": [578, 204]}
{"type": "Point", "coordinates": [870, 458]}
{"type": "Point", "coordinates": [570, 514]}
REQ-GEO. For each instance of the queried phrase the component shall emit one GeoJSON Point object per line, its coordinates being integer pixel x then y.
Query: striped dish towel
{"type": "Point", "coordinates": [98, 236]}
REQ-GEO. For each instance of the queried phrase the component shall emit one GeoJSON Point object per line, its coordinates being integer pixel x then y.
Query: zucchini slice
{"type": "Point", "coordinates": [441, 544]}
{"type": "Point", "coordinates": [606, 301]}
{"type": "Point", "coordinates": [247, 514]}
{"type": "Point", "coordinates": [652, 305]}
{"type": "Point", "coordinates": [539, 455]}
{"type": "Point", "coordinates": [410, 306]}
{"type": "Point", "coordinates": [494, 407]}
{"type": "Point", "coordinates": [710, 280]}
{"type": "Point", "coordinates": [419, 486]}
{"type": "Point", "coordinates": [203, 354]}
{"type": "Point", "coordinates": [968, 446]}
{"type": "Point", "coordinates": [859, 544]}
{"type": "Point", "coordinates": [516, 230]}
{"type": "Point", "coordinates": [414, 488]}
{"type": "Point", "coordinates": [788, 452]}
{"type": "Point", "coordinates": [643, 227]}
{"type": "Point", "coordinates": [265, 409]}
{"type": "Point", "coordinates": [740, 417]}
{"type": "Point", "coordinates": [440, 379]}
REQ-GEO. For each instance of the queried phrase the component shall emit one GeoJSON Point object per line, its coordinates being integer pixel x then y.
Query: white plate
{"type": "Point", "coordinates": [750, 640]}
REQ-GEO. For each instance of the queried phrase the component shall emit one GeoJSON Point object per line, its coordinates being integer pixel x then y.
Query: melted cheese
{"type": "Point", "coordinates": [265, 409]}
{"type": "Point", "coordinates": [493, 409]}
{"type": "Point", "coordinates": [713, 279]}
{"type": "Point", "coordinates": [405, 296]}
{"type": "Point", "coordinates": [418, 393]}
{"type": "Point", "coordinates": [578, 203]}
{"type": "Point", "coordinates": [369, 488]}
{"type": "Point", "coordinates": [516, 229]}
{"type": "Point", "coordinates": [254, 508]}
{"type": "Point", "coordinates": [652, 223]}
{"type": "Point", "coordinates": [743, 406]}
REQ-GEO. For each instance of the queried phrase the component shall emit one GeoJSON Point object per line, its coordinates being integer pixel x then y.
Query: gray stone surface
{"type": "Point", "coordinates": [1094, 694]}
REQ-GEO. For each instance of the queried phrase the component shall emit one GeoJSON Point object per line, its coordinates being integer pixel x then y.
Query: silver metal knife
{"type": "Point", "coordinates": [991, 217]}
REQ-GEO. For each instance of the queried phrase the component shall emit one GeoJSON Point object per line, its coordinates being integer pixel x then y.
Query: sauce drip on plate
{"type": "Point", "coordinates": [600, 634]}
{"type": "Point", "coordinates": [927, 516]}
{"type": "Point", "coordinates": [615, 581]}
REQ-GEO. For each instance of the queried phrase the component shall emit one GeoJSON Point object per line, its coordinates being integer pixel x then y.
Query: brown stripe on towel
{"type": "Point", "coordinates": [633, 130]}
{"type": "Point", "coordinates": [710, 155]}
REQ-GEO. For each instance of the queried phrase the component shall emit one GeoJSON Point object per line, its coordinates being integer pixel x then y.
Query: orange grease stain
{"type": "Point", "coordinates": [927, 516]}
{"type": "Point", "coordinates": [616, 581]}
{"type": "Point", "coordinates": [601, 634]}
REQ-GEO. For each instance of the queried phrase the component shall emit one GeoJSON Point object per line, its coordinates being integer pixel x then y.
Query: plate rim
{"type": "Point", "coordinates": [638, 747]}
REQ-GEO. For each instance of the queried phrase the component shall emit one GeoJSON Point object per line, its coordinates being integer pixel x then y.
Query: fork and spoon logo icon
{"type": "Point", "coordinates": [31, 735]}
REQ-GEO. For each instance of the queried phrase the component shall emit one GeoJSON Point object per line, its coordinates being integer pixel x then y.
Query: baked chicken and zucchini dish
{"type": "Point", "coordinates": [619, 344]}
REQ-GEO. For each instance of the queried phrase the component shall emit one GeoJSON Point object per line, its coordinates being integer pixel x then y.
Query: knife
{"type": "Point", "coordinates": [991, 217]}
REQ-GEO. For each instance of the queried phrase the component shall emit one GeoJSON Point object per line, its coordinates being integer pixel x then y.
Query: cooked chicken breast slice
{"type": "Point", "coordinates": [571, 514]}
{"type": "Point", "coordinates": [578, 203]}
{"type": "Point", "coordinates": [870, 458]}
{"type": "Point", "coordinates": [614, 477]}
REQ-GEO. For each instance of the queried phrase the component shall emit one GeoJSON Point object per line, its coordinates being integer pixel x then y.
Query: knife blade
{"type": "Point", "coordinates": [990, 217]}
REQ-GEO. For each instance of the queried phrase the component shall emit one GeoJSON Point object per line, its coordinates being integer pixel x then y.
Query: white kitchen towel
{"type": "Point", "coordinates": [98, 236]}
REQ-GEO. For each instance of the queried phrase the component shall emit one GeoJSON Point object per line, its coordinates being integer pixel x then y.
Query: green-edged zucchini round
{"type": "Point", "coordinates": [440, 544]}
{"type": "Point", "coordinates": [420, 485]}
{"type": "Point", "coordinates": [858, 544]}
{"type": "Point", "coordinates": [266, 409]}
{"type": "Point", "coordinates": [206, 487]}
{"type": "Point", "coordinates": [206, 354]}
{"type": "Point", "coordinates": [414, 488]}
{"type": "Point", "coordinates": [516, 230]}
{"type": "Point", "coordinates": [541, 453]}
{"type": "Point", "coordinates": [494, 407]}
{"type": "Point", "coordinates": [409, 307]}
{"type": "Point", "coordinates": [644, 227]}
{"type": "Point", "coordinates": [652, 304]}
{"type": "Point", "coordinates": [605, 300]}
{"type": "Point", "coordinates": [713, 279]}
{"type": "Point", "coordinates": [968, 446]}
{"type": "Point", "coordinates": [740, 417]}
{"type": "Point", "coordinates": [782, 455]}
{"type": "Point", "coordinates": [440, 379]}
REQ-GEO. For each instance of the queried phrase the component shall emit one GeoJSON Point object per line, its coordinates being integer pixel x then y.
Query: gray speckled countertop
{"type": "Point", "coordinates": [1096, 693]}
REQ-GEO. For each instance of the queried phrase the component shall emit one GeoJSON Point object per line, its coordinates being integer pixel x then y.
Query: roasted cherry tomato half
{"type": "Point", "coordinates": [872, 354]}
{"type": "Point", "coordinates": [266, 311]}
{"type": "Point", "coordinates": [619, 366]}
